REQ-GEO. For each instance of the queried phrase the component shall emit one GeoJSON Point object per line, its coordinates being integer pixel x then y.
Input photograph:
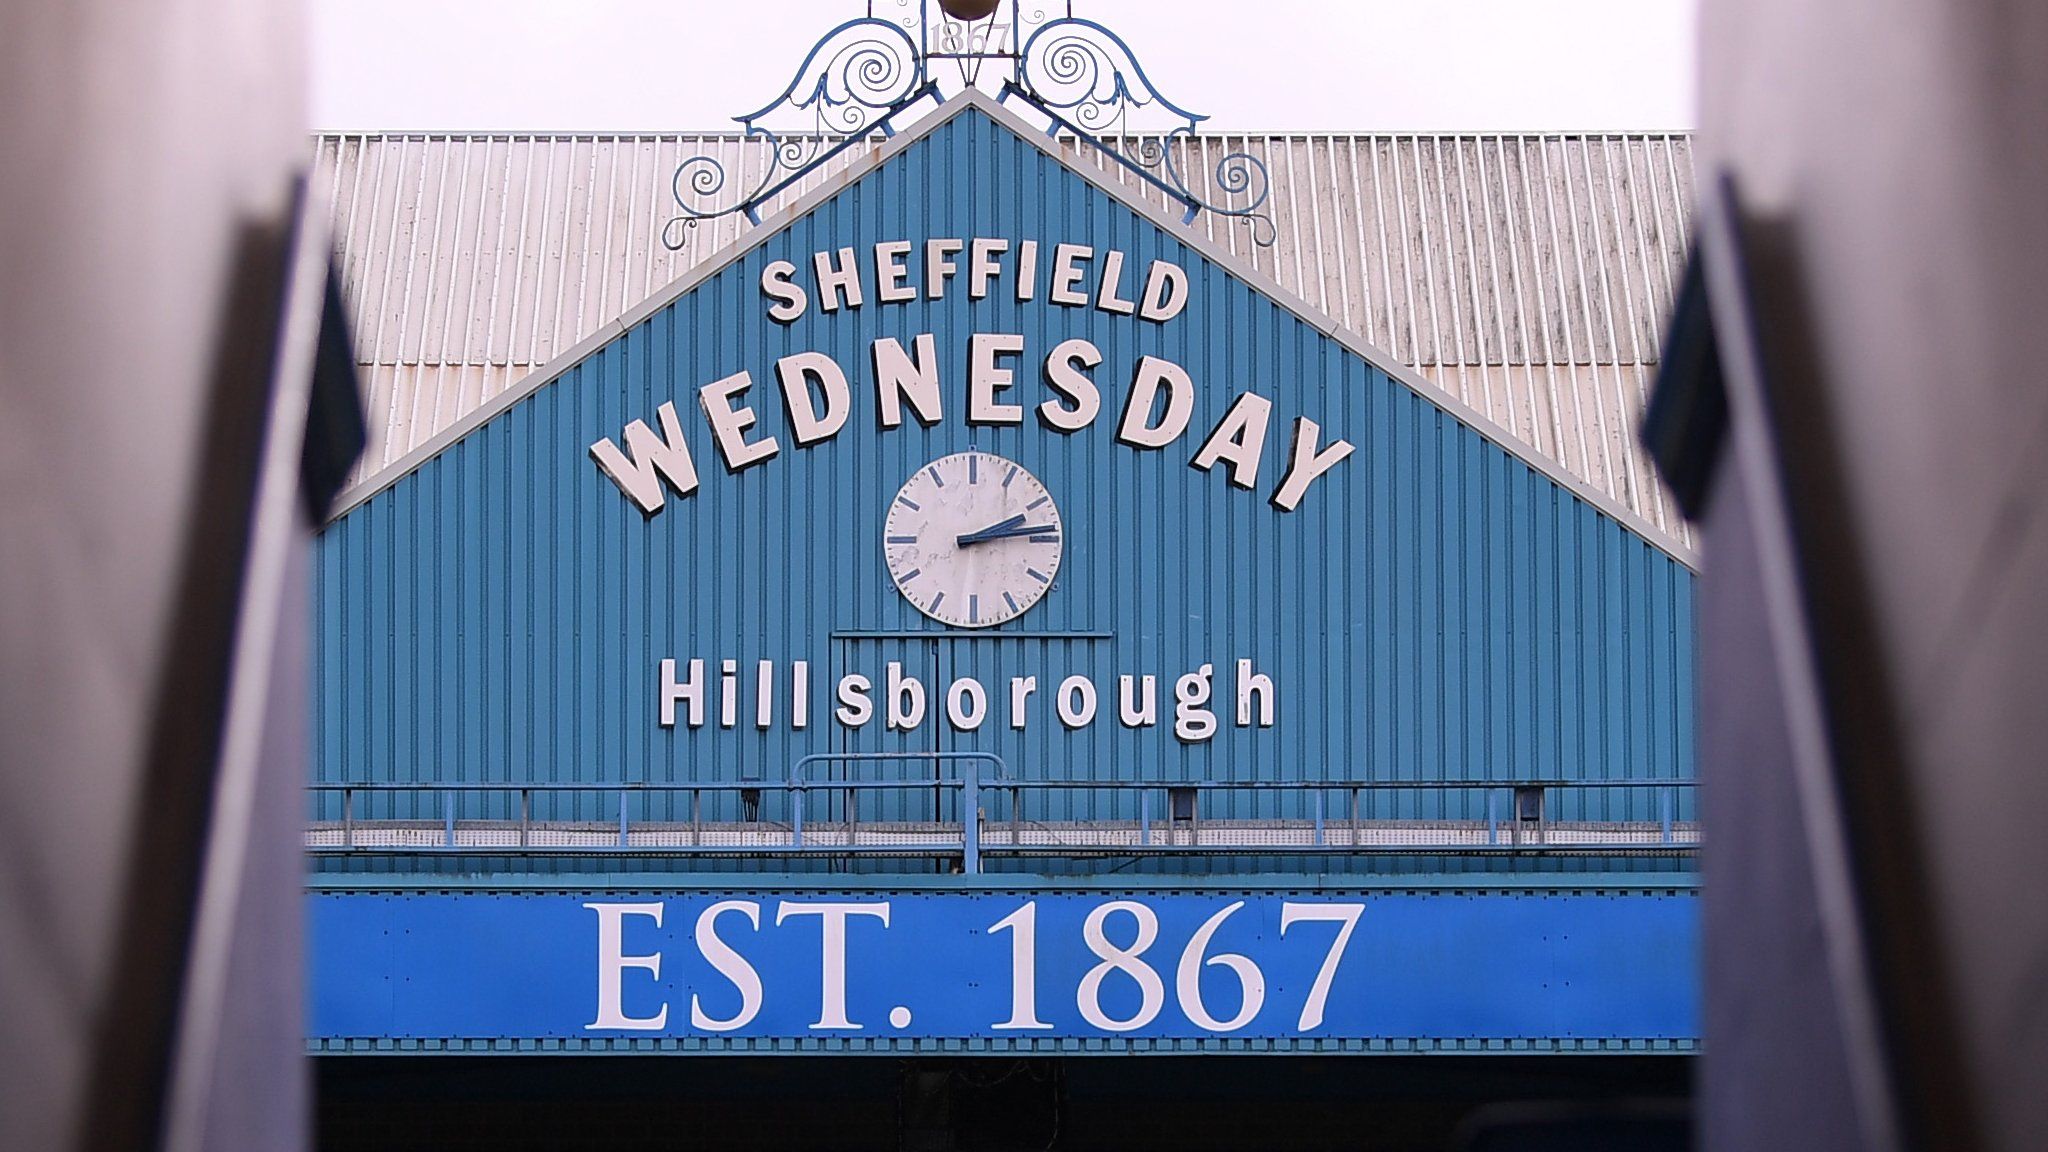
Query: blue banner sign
{"type": "Point", "coordinates": [1546, 967]}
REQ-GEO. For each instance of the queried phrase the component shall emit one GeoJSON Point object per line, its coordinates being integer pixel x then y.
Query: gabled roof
{"type": "Point", "coordinates": [1607, 450]}
{"type": "Point", "coordinates": [1527, 275]}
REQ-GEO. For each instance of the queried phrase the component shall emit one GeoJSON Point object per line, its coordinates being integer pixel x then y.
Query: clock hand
{"type": "Point", "coordinates": [1005, 532]}
{"type": "Point", "coordinates": [988, 532]}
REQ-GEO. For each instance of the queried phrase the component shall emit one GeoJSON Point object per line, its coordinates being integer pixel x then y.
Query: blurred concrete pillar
{"type": "Point", "coordinates": [147, 163]}
{"type": "Point", "coordinates": [1889, 162]}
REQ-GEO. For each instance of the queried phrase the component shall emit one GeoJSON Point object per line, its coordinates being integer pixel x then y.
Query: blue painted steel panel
{"type": "Point", "coordinates": [1423, 969]}
{"type": "Point", "coordinates": [1436, 609]}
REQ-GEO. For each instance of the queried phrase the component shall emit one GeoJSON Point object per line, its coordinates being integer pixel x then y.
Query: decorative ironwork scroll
{"type": "Point", "coordinates": [1075, 73]}
{"type": "Point", "coordinates": [853, 82]}
{"type": "Point", "coordinates": [1088, 81]}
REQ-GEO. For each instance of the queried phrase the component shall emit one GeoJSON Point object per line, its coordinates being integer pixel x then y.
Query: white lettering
{"type": "Point", "coordinates": [729, 964]}
{"type": "Point", "coordinates": [1238, 441]}
{"type": "Point", "coordinates": [1192, 722]}
{"type": "Point", "coordinates": [983, 265]}
{"type": "Point", "coordinates": [1187, 978]}
{"type": "Point", "coordinates": [775, 283]}
{"type": "Point", "coordinates": [796, 372]}
{"type": "Point", "coordinates": [1152, 376]}
{"type": "Point", "coordinates": [906, 699]}
{"type": "Point", "coordinates": [612, 963]}
{"type": "Point", "coordinates": [1027, 270]}
{"type": "Point", "coordinates": [938, 266]}
{"type": "Point", "coordinates": [1319, 992]}
{"type": "Point", "coordinates": [1067, 273]}
{"type": "Point", "coordinates": [1063, 375]}
{"type": "Point", "coordinates": [1249, 686]}
{"type": "Point", "coordinates": [1166, 292]}
{"type": "Point", "coordinates": [966, 704]}
{"type": "Point", "coordinates": [1107, 298]}
{"type": "Point", "coordinates": [832, 931]}
{"type": "Point", "coordinates": [1151, 991]}
{"type": "Point", "coordinates": [891, 274]}
{"type": "Point", "coordinates": [1141, 712]}
{"type": "Point", "coordinates": [691, 690]}
{"type": "Point", "coordinates": [1023, 924]}
{"type": "Point", "coordinates": [985, 378]}
{"type": "Point", "coordinates": [898, 377]}
{"type": "Point", "coordinates": [837, 280]}
{"type": "Point", "coordinates": [1307, 463]}
{"type": "Point", "coordinates": [855, 707]}
{"type": "Point", "coordinates": [1021, 688]}
{"type": "Point", "coordinates": [729, 424]}
{"type": "Point", "coordinates": [1076, 699]}
{"type": "Point", "coordinates": [654, 459]}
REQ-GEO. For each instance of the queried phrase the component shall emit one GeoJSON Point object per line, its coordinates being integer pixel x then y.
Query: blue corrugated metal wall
{"type": "Point", "coordinates": [1437, 609]}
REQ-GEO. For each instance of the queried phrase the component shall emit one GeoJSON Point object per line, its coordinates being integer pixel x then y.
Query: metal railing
{"type": "Point", "coordinates": [973, 814]}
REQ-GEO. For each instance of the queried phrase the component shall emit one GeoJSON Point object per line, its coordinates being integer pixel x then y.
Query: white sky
{"type": "Point", "coordinates": [1312, 65]}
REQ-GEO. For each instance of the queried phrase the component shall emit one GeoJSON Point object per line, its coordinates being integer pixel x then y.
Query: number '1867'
{"type": "Point", "coordinates": [1130, 963]}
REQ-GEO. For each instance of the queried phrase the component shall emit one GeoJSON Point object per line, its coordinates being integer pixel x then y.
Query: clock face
{"type": "Point", "coordinates": [972, 540]}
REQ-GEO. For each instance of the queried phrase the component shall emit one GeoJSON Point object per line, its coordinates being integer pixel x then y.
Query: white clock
{"type": "Point", "coordinates": [972, 540]}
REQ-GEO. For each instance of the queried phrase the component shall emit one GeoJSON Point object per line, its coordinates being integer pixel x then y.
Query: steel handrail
{"type": "Point", "coordinates": [926, 782]}
{"type": "Point", "coordinates": [969, 786]}
{"type": "Point", "coordinates": [1378, 785]}
{"type": "Point", "coordinates": [796, 770]}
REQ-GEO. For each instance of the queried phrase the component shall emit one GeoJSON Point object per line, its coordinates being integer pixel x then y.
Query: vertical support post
{"type": "Point", "coordinates": [1664, 812]}
{"type": "Point", "coordinates": [525, 813]}
{"type": "Point", "coordinates": [622, 817]}
{"type": "Point", "coordinates": [696, 817]}
{"type": "Point", "coordinates": [348, 818]}
{"type": "Point", "coordinates": [1319, 817]}
{"type": "Point", "coordinates": [1145, 817]}
{"type": "Point", "coordinates": [1530, 807]}
{"type": "Point", "coordinates": [448, 818]}
{"type": "Point", "coordinates": [1183, 805]}
{"type": "Point", "coordinates": [796, 814]}
{"type": "Point", "coordinates": [970, 818]}
{"type": "Point", "coordinates": [1355, 826]}
{"type": "Point", "coordinates": [1492, 817]}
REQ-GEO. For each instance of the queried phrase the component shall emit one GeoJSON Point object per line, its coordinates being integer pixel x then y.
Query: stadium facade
{"type": "Point", "coordinates": [997, 592]}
